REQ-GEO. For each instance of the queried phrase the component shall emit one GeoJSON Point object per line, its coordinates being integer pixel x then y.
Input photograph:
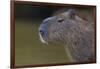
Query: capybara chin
{"type": "Point", "coordinates": [71, 30]}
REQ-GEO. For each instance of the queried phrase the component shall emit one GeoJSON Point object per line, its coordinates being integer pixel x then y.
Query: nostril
{"type": "Point", "coordinates": [41, 32]}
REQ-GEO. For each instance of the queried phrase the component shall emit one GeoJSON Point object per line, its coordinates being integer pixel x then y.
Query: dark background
{"type": "Point", "coordinates": [31, 11]}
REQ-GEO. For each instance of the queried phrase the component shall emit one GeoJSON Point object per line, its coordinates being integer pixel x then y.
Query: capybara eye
{"type": "Point", "coordinates": [60, 20]}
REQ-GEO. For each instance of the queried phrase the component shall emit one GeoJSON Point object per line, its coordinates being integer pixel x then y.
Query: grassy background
{"type": "Point", "coordinates": [30, 50]}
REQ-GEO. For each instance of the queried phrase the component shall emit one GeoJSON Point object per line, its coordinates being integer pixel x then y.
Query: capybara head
{"type": "Point", "coordinates": [55, 28]}
{"type": "Point", "coordinates": [69, 29]}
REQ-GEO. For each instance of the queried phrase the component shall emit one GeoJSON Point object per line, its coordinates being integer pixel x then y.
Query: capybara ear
{"type": "Point", "coordinates": [71, 13]}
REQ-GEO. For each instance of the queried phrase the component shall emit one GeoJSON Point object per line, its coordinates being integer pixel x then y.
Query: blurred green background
{"type": "Point", "coordinates": [28, 47]}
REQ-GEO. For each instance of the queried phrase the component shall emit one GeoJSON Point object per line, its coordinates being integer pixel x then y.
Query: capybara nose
{"type": "Point", "coordinates": [42, 32]}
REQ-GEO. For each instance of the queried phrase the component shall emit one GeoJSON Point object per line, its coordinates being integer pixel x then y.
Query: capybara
{"type": "Point", "coordinates": [75, 33]}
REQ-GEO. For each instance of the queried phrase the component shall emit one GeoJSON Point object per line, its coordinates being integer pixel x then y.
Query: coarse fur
{"type": "Point", "coordinates": [69, 29]}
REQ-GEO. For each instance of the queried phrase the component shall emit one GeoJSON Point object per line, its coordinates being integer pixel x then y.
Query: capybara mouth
{"type": "Point", "coordinates": [43, 40]}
